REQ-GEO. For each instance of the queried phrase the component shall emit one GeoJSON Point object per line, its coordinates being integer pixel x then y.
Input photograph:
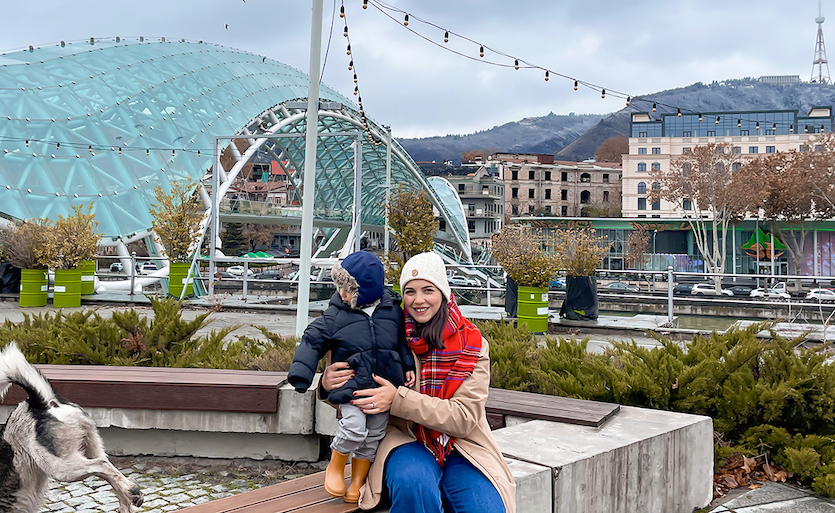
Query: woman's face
{"type": "Point", "coordinates": [422, 300]}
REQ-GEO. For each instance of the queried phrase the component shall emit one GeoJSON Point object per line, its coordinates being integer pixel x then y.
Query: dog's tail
{"type": "Point", "coordinates": [14, 369]}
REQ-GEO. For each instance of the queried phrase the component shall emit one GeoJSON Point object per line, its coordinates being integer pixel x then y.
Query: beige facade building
{"type": "Point", "coordinates": [657, 139]}
{"type": "Point", "coordinates": [537, 184]}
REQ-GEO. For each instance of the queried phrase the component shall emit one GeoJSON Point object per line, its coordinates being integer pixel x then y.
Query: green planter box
{"type": "Point", "coordinates": [177, 276]}
{"type": "Point", "coordinates": [88, 277]}
{"type": "Point", "coordinates": [533, 308]}
{"type": "Point", "coordinates": [33, 287]}
{"type": "Point", "coordinates": [67, 289]}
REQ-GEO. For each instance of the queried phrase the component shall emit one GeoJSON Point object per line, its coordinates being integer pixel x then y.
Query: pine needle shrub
{"type": "Point", "coordinates": [276, 355]}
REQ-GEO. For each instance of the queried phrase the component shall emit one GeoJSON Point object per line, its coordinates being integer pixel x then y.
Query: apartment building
{"type": "Point", "coordinates": [657, 139]}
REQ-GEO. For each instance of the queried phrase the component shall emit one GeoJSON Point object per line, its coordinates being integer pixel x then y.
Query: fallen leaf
{"type": "Point", "coordinates": [749, 464]}
{"type": "Point", "coordinates": [730, 482]}
{"type": "Point", "coordinates": [769, 472]}
{"type": "Point", "coordinates": [754, 486]}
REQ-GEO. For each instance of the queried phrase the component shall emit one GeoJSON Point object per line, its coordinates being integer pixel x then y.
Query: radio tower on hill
{"type": "Point", "coordinates": [820, 76]}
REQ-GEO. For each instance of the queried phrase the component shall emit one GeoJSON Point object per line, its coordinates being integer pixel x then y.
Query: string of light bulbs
{"type": "Point", "coordinates": [519, 63]}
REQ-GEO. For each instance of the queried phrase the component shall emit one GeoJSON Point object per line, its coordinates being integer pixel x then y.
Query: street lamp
{"type": "Point", "coordinates": [654, 233]}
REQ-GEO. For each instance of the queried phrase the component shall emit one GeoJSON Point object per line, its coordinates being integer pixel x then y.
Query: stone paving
{"type": "Point", "coordinates": [164, 489]}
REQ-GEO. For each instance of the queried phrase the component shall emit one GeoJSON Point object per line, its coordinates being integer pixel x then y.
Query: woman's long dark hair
{"type": "Point", "coordinates": [433, 330]}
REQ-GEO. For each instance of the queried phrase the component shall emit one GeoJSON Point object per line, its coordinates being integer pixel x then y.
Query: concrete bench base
{"type": "Point", "coordinates": [641, 461]}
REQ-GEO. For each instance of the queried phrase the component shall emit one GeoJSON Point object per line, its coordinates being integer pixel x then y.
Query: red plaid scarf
{"type": "Point", "coordinates": [443, 370]}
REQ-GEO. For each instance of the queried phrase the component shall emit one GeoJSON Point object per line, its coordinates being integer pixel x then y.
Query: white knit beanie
{"type": "Point", "coordinates": [429, 267]}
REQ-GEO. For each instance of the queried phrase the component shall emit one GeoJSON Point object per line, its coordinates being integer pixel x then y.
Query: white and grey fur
{"type": "Point", "coordinates": [343, 280]}
{"type": "Point", "coordinates": [46, 437]}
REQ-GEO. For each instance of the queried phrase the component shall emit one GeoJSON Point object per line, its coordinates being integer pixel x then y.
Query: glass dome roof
{"type": "Point", "coordinates": [108, 120]}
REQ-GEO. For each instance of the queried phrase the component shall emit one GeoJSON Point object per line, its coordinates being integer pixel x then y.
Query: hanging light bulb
{"type": "Point", "coordinates": [575, 85]}
{"type": "Point", "coordinates": [481, 51]}
{"type": "Point", "coordinates": [516, 63]}
{"type": "Point", "coordinates": [120, 150]}
{"type": "Point", "coordinates": [806, 129]}
{"type": "Point", "coordinates": [27, 143]}
{"type": "Point", "coordinates": [147, 152]}
{"type": "Point", "coordinates": [758, 125]}
{"type": "Point", "coordinates": [57, 146]}
{"type": "Point", "coordinates": [774, 127]}
{"type": "Point", "coordinates": [678, 112]}
{"type": "Point", "coordinates": [603, 93]}
{"type": "Point", "coordinates": [345, 32]}
{"type": "Point", "coordinates": [628, 100]}
{"type": "Point", "coordinates": [341, 11]}
{"type": "Point", "coordinates": [546, 75]}
{"type": "Point", "coordinates": [90, 148]}
{"type": "Point", "coordinates": [700, 117]}
{"type": "Point", "coordinates": [355, 78]}
{"type": "Point", "coordinates": [356, 90]}
{"type": "Point", "coordinates": [446, 37]}
{"type": "Point", "coordinates": [653, 107]}
{"type": "Point", "coordinates": [791, 129]}
{"type": "Point", "coordinates": [822, 129]}
{"type": "Point", "coordinates": [349, 50]}
{"type": "Point", "coordinates": [406, 21]}
{"type": "Point", "coordinates": [172, 153]}
{"type": "Point", "coordinates": [351, 65]}
{"type": "Point", "coordinates": [739, 123]}
{"type": "Point", "coordinates": [198, 153]}
{"type": "Point", "coordinates": [365, 4]}
{"type": "Point", "coordinates": [717, 120]}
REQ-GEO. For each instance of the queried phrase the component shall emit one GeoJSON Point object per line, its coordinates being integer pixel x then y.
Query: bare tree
{"type": "Point", "coordinates": [702, 184]}
{"type": "Point", "coordinates": [637, 243]}
{"type": "Point", "coordinates": [793, 191]}
{"type": "Point", "coordinates": [612, 149]}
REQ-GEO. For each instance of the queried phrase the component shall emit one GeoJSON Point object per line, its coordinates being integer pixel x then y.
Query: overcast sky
{"type": "Point", "coordinates": [635, 46]}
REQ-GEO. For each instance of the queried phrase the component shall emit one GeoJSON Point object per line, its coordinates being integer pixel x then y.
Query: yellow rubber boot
{"type": "Point", "coordinates": [335, 474]}
{"type": "Point", "coordinates": [359, 471]}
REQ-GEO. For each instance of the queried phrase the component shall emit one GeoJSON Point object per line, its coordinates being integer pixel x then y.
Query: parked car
{"type": "Point", "coordinates": [556, 283]}
{"type": "Point", "coordinates": [463, 281]}
{"type": "Point", "coordinates": [682, 289]}
{"type": "Point", "coordinates": [821, 295]}
{"type": "Point", "coordinates": [148, 268]}
{"type": "Point", "coordinates": [238, 270]}
{"type": "Point", "coordinates": [273, 274]}
{"type": "Point", "coordinates": [775, 292]}
{"type": "Point", "coordinates": [619, 286]}
{"type": "Point", "coordinates": [707, 289]}
{"type": "Point", "coordinates": [741, 290]}
{"type": "Point", "coordinates": [117, 267]}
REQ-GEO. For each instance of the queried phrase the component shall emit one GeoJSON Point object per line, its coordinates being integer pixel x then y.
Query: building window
{"type": "Point", "coordinates": [547, 193]}
{"type": "Point", "coordinates": [460, 187]}
{"type": "Point", "coordinates": [656, 151]}
{"type": "Point", "coordinates": [642, 134]}
{"type": "Point", "coordinates": [605, 177]}
{"type": "Point", "coordinates": [642, 151]}
{"type": "Point", "coordinates": [803, 148]}
{"type": "Point", "coordinates": [585, 178]}
{"type": "Point", "coordinates": [514, 192]}
{"type": "Point", "coordinates": [819, 147]}
{"type": "Point", "coordinates": [564, 210]}
{"type": "Point", "coordinates": [711, 133]}
{"type": "Point", "coordinates": [735, 166]}
{"type": "Point", "coordinates": [531, 175]}
{"type": "Point", "coordinates": [686, 151]}
{"type": "Point", "coordinates": [442, 225]}
{"type": "Point", "coordinates": [564, 176]}
{"type": "Point", "coordinates": [686, 205]}
{"type": "Point", "coordinates": [642, 215]}
{"type": "Point", "coordinates": [753, 149]}
{"type": "Point", "coordinates": [687, 133]}
{"type": "Point", "coordinates": [656, 186]}
{"type": "Point", "coordinates": [514, 209]}
{"type": "Point", "coordinates": [531, 193]}
{"type": "Point", "coordinates": [605, 196]}
{"type": "Point", "coordinates": [564, 194]}
{"type": "Point", "coordinates": [514, 175]}
{"type": "Point", "coordinates": [530, 208]}
{"type": "Point", "coordinates": [642, 187]}
{"type": "Point", "coordinates": [770, 149]}
{"type": "Point", "coordinates": [471, 226]}
{"type": "Point", "coordinates": [642, 166]}
{"type": "Point", "coordinates": [548, 208]}
{"type": "Point", "coordinates": [736, 150]}
{"type": "Point", "coordinates": [642, 203]}
{"type": "Point", "coordinates": [656, 205]}
{"type": "Point", "coordinates": [656, 166]}
{"type": "Point", "coordinates": [548, 175]}
{"type": "Point", "coordinates": [743, 132]}
{"type": "Point", "coordinates": [585, 196]}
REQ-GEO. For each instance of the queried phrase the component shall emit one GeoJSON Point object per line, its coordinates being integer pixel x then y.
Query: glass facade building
{"type": "Point", "coordinates": [731, 124]}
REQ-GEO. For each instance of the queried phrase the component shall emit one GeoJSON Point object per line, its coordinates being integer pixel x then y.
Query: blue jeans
{"type": "Point", "coordinates": [416, 483]}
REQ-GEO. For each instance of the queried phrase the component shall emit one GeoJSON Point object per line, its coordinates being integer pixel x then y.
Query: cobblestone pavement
{"type": "Point", "coordinates": [169, 487]}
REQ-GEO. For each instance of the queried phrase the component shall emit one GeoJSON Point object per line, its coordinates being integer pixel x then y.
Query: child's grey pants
{"type": "Point", "coordinates": [359, 433]}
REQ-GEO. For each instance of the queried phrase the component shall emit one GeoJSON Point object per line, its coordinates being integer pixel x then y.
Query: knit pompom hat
{"type": "Point", "coordinates": [429, 267]}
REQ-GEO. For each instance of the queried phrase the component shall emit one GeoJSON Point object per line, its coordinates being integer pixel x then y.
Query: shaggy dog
{"type": "Point", "coordinates": [47, 436]}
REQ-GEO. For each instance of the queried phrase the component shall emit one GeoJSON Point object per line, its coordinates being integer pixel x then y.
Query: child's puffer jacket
{"type": "Point", "coordinates": [370, 345]}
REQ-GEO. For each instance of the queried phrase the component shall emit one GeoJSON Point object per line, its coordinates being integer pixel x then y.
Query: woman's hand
{"type": "Point", "coordinates": [375, 400]}
{"type": "Point", "coordinates": [410, 379]}
{"type": "Point", "coordinates": [336, 375]}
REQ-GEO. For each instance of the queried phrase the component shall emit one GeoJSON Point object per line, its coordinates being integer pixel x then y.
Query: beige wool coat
{"type": "Point", "coordinates": [463, 416]}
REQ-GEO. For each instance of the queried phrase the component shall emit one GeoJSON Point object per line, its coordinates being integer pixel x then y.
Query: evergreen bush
{"type": "Point", "coordinates": [766, 397]}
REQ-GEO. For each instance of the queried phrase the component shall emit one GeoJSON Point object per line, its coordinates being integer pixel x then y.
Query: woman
{"type": "Point", "coordinates": [438, 453]}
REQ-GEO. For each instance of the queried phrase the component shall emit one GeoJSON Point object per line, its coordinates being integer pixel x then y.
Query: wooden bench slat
{"type": "Point", "coordinates": [162, 375]}
{"type": "Point", "coordinates": [546, 407]}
